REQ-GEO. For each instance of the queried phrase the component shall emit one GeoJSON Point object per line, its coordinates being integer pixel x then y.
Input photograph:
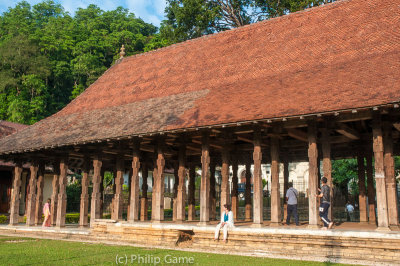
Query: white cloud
{"type": "Point", "coordinates": [149, 10]}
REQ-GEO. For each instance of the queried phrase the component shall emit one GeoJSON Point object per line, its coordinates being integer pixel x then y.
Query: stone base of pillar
{"type": "Point", "coordinates": [143, 209]}
{"type": "Point", "coordinates": [312, 226]}
{"type": "Point", "coordinates": [382, 229]}
{"type": "Point", "coordinates": [155, 221]}
{"type": "Point", "coordinates": [394, 227]}
{"type": "Point", "coordinates": [203, 223]}
{"type": "Point", "coordinates": [275, 224]}
{"type": "Point", "coordinates": [191, 213]}
{"type": "Point", "coordinates": [256, 225]}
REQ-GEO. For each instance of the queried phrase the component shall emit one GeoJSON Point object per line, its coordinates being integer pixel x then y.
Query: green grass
{"type": "Point", "coordinates": [30, 251]}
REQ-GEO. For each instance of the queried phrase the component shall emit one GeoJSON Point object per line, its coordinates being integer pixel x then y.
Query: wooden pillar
{"type": "Point", "coordinates": [275, 193]}
{"type": "Point", "coordinates": [247, 193]}
{"type": "Point", "coordinates": [118, 197]}
{"type": "Point", "coordinates": [327, 165]}
{"type": "Point", "coordinates": [14, 209]}
{"type": "Point", "coordinates": [285, 185]}
{"type": "Point", "coordinates": [159, 181]}
{"type": "Point", "coordinates": [381, 197]}
{"type": "Point", "coordinates": [205, 180]}
{"type": "Point", "coordinates": [225, 178]}
{"type": "Point", "coordinates": [39, 195]}
{"type": "Point", "coordinates": [144, 200]}
{"type": "Point", "coordinates": [181, 197]}
{"type": "Point", "coordinates": [95, 212]}
{"type": "Point", "coordinates": [134, 185]}
{"type": "Point", "coordinates": [175, 191]}
{"type": "Point", "coordinates": [62, 195]}
{"type": "Point", "coordinates": [390, 177]}
{"type": "Point", "coordinates": [191, 195]}
{"type": "Point", "coordinates": [313, 175]}
{"type": "Point", "coordinates": [362, 196]}
{"type": "Point", "coordinates": [54, 194]}
{"type": "Point", "coordinates": [103, 172]}
{"type": "Point", "coordinates": [84, 205]}
{"type": "Point", "coordinates": [235, 200]}
{"type": "Point", "coordinates": [370, 190]}
{"type": "Point", "coordinates": [257, 181]}
{"type": "Point", "coordinates": [31, 206]}
{"type": "Point", "coordinates": [213, 196]}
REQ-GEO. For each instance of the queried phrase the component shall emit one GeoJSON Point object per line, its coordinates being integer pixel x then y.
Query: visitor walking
{"type": "Point", "coordinates": [350, 211]}
{"type": "Point", "coordinates": [226, 222]}
{"type": "Point", "coordinates": [291, 198]}
{"type": "Point", "coordinates": [46, 213]}
{"type": "Point", "coordinates": [325, 203]}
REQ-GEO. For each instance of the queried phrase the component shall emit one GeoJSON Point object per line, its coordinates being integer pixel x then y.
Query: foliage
{"type": "Point", "coordinates": [345, 175]}
{"type": "Point", "coordinates": [188, 19]}
{"type": "Point", "coordinates": [3, 219]}
{"type": "Point", "coordinates": [48, 57]}
{"type": "Point", "coordinates": [74, 192]}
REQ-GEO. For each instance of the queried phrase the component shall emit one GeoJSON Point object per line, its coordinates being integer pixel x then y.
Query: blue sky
{"type": "Point", "coordinates": [149, 10]}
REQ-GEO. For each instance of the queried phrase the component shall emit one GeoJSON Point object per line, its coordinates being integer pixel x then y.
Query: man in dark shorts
{"type": "Point", "coordinates": [325, 195]}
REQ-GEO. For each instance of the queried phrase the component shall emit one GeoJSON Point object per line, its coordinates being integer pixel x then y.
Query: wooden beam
{"type": "Point", "coordinates": [347, 131]}
{"type": "Point", "coordinates": [298, 134]}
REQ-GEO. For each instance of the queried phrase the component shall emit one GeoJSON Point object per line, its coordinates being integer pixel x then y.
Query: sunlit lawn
{"type": "Point", "coordinates": [30, 251]}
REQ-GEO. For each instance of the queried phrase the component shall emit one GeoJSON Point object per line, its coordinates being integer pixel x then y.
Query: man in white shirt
{"type": "Point", "coordinates": [350, 211]}
{"type": "Point", "coordinates": [291, 198]}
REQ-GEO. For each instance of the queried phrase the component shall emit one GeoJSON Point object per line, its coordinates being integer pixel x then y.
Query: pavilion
{"type": "Point", "coordinates": [313, 86]}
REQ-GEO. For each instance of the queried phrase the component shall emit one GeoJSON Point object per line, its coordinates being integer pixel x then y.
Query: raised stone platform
{"type": "Point", "coordinates": [339, 245]}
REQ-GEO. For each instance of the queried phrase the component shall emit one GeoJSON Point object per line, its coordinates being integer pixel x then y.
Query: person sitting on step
{"type": "Point", "coordinates": [226, 222]}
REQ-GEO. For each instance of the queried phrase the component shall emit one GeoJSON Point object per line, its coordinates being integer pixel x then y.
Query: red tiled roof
{"type": "Point", "coordinates": [339, 56]}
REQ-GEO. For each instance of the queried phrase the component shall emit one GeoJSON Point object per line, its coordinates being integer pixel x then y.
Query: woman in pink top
{"type": "Point", "coordinates": [46, 213]}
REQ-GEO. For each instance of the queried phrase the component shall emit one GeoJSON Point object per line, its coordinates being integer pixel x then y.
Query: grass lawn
{"type": "Point", "coordinates": [30, 251]}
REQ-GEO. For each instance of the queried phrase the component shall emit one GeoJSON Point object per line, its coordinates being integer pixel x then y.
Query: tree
{"type": "Point", "coordinates": [187, 19]}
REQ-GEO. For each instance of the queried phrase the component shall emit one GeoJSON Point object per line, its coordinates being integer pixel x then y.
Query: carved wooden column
{"type": "Point", "coordinates": [327, 165]}
{"type": "Point", "coordinates": [213, 196]}
{"type": "Point", "coordinates": [247, 193]}
{"type": "Point", "coordinates": [224, 178]}
{"type": "Point", "coordinates": [95, 211]}
{"type": "Point", "coordinates": [257, 181]}
{"type": "Point", "coordinates": [153, 186]}
{"type": "Point", "coordinates": [14, 209]}
{"type": "Point", "coordinates": [313, 175]}
{"type": "Point", "coordinates": [390, 177]}
{"type": "Point", "coordinates": [362, 196]}
{"type": "Point", "coordinates": [191, 198]}
{"type": "Point", "coordinates": [54, 194]}
{"type": "Point", "coordinates": [175, 191]}
{"type": "Point", "coordinates": [285, 185]}
{"type": "Point", "coordinates": [235, 200]}
{"type": "Point", "coordinates": [103, 172]}
{"type": "Point", "coordinates": [39, 195]}
{"type": "Point", "coordinates": [370, 190]}
{"type": "Point", "coordinates": [181, 197]}
{"type": "Point", "coordinates": [205, 180]}
{"type": "Point", "coordinates": [158, 211]}
{"type": "Point", "coordinates": [62, 195]}
{"type": "Point", "coordinates": [134, 185]}
{"type": "Point", "coordinates": [144, 200]}
{"type": "Point", "coordinates": [118, 197]}
{"type": "Point", "coordinates": [275, 193]}
{"type": "Point", "coordinates": [381, 197]}
{"type": "Point", "coordinates": [84, 207]}
{"type": "Point", "coordinates": [31, 206]}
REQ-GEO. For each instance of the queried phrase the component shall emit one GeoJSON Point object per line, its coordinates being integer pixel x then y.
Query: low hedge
{"type": "Point", "coordinates": [3, 219]}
